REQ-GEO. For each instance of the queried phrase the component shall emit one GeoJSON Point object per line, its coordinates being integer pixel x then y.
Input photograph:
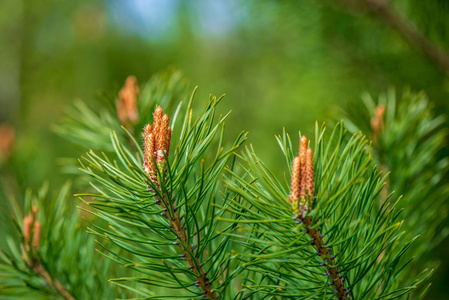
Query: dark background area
{"type": "Point", "coordinates": [280, 63]}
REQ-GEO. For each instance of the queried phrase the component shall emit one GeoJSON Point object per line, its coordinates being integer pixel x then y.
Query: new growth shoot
{"type": "Point", "coordinates": [156, 149]}
{"type": "Point", "coordinates": [32, 234]}
{"type": "Point", "coordinates": [301, 199]}
{"type": "Point", "coordinates": [156, 145]}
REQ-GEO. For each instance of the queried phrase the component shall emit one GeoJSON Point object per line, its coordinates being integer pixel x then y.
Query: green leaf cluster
{"type": "Point", "coordinates": [66, 252]}
{"type": "Point", "coordinates": [410, 147]}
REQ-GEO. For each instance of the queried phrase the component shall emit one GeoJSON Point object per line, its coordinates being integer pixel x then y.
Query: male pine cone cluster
{"type": "Point", "coordinates": [156, 136]}
{"type": "Point", "coordinates": [31, 233]}
{"type": "Point", "coordinates": [127, 102]}
{"type": "Point", "coordinates": [156, 145]}
{"type": "Point", "coordinates": [302, 183]}
{"type": "Point", "coordinates": [377, 122]}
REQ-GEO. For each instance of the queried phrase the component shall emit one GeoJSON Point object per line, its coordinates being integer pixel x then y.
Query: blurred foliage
{"type": "Point", "coordinates": [407, 141]}
{"type": "Point", "coordinates": [281, 63]}
{"type": "Point", "coordinates": [65, 251]}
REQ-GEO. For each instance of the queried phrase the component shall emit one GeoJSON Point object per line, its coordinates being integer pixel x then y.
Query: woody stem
{"type": "Point", "coordinates": [195, 265]}
{"type": "Point", "coordinates": [40, 270]}
{"type": "Point", "coordinates": [328, 260]}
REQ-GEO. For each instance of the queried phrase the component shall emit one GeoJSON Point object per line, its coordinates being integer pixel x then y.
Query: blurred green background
{"type": "Point", "coordinates": [280, 63]}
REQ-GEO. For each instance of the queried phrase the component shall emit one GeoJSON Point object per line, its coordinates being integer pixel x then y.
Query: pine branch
{"type": "Point", "coordinates": [195, 265]}
{"type": "Point", "coordinates": [301, 196]}
{"type": "Point", "coordinates": [32, 233]}
{"type": "Point", "coordinates": [54, 255]}
{"type": "Point", "coordinates": [328, 260]}
{"type": "Point", "coordinates": [164, 214]}
{"type": "Point", "coordinates": [157, 138]}
{"type": "Point", "coordinates": [281, 253]}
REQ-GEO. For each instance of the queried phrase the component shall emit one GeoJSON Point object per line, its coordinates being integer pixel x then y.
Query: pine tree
{"type": "Point", "coordinates": [175, 211]}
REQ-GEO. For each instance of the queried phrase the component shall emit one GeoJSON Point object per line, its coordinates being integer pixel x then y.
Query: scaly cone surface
{"type": "Point", "coordinates": [156, 145]}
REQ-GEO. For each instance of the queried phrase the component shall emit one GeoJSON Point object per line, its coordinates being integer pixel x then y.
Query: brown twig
{"type": "Point", "coordinates": [39, 269]}
{"type": "Point", "coordinates": [195, 265]}
{"type": "Point", "coordinates": [409, 32]}
{"type": "Point", "coordinates": [324, 252]}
